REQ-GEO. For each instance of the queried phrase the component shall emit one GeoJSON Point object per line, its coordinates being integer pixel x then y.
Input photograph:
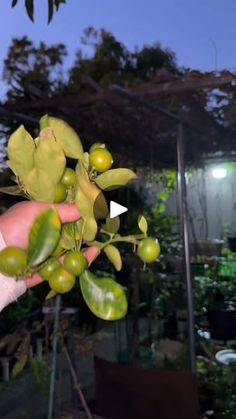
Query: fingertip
{"type": "Point", "coordinates": [34, 280]}
{"type": "Point", "coordinates": [67, 212]}
{"type": "Point", "coordinates": [91, 253]}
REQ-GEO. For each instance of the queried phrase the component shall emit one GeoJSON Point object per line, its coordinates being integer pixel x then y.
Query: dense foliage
{"type": "Point", "coordinates": [39, 70]}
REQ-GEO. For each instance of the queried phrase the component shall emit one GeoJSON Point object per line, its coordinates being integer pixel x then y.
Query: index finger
{"type": "Point", "coordinates": [67, 212]}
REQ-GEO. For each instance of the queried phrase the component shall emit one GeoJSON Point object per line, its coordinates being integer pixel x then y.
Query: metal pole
{"type": "Point", "coordinates": [54, 357]}
{"type": "Point", "coordinates": [183, 212]}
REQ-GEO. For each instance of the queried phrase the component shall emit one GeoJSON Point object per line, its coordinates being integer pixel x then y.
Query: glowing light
{"type": "Point", "coordinates": [219, 172]}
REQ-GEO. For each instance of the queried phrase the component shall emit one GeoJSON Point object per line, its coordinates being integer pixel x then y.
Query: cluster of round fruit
{"type": "Point", "coordinates": [58, 252]}
{"type": "Point", "coordinates": [61, 275]}
{"type": "Point", "coordinates": [100, 159]}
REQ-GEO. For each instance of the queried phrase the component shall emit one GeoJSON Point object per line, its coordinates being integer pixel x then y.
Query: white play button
{"type": "Point", "coordinates": [116, 209]}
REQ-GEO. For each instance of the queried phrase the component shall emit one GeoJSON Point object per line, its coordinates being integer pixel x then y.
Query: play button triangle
{"type": "Point", "coordinates": [116, 209]}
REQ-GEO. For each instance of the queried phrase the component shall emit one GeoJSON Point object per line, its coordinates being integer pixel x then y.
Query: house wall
{"type": "Point", "coordinates": [211, 204]}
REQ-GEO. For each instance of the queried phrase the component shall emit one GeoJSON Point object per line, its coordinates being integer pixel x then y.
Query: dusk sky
{"type": "Point", "coordinates": [193, 29]}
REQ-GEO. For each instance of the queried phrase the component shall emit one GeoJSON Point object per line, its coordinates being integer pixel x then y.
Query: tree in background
{"type": "Point", "coordinates": [30, 68]}
{"type": "Point", "coordinates": [33, 71]}
{"type": "Point", "coordinates": [112, 62]}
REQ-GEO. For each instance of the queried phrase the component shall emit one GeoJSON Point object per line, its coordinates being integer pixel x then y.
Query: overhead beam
{"type": "Point", "coordinates": [145, 89]}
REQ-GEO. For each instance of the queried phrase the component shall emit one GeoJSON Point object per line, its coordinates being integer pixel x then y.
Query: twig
{"type": "Point", "coordinates": [76, 383]}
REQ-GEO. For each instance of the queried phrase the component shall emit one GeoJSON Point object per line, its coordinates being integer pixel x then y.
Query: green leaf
{"type": "Point", "coordinates": [43, 236]}
{"type": "Point", "coordinates": [85, 208]}
{"type": "Point", "coordinates": [90, 202]}
{"type": "Point", "coordinates": [142, 223]}
{"type": "Point", "coordinates": [85, 161]}
{"type": "Point", "coordinates": [20, 150]}
{"type": "Point", "coordinates": [39, 185]}
{"type": "Point", "coordinates": [29, 5]}
{"type": "Point", "coordinates": [50, 10]}
{"type": "Point", "coordinates": [50, 295]}
{"type": "Point", "coordinates": [12, 190]}
{"type": "Point", "coordinates": [70, 233]}
{"type": "Point", "coordinates": [73, 229]}
{"type": "Point", "coordinates": [21, 355]}
{"type": "Point", "coordinates": [112, 225]}
{"type": "Point", "coordinates": [163, 195]}
{"type": "Point", "coordinates": [161, 208]}
{"type": "Point", "coordinates": [67, 137]}
{"type": "Point", "coordinates": [49, 156]}
{"type": "Point", "coordinates": [95, 199]}
{"type": "Point", "coordinates": [19, 365]}
{"type": "Point", "coordinates": [90, 229]}
{"type": "Point", "coordinates": [66, 242]}
{"type": "Point", "coordinates": [105, 297]}
{"type": "Point", "coordinates": [114, 178]}
{"type": "Point", "coordinates": [58, 3]}
{"type": "Point", "coordinates": [44, 122]}
{"type": "Point", "coordinates": [113, 255]}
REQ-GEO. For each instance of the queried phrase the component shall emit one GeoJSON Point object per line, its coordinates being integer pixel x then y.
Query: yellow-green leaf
{"type": "Point", "coordinates": [12, 190]}
{"type": "Point", "coordinates": [39, 185]}
{"type": "Point", "coordinates": [66, 242]}
{"type": "Point", "coordinates": [21, 355]}
{"type": "Point", "coordinates": [66, 136]}
{"type": "Point", "coordinates": [114, 178]}
{"type": "Point", "coordinates": [85, 208]}
{"type": "Point", "coordinates": [85, 161]}
{"type": "Point", "coordinates": [112, 225]}
{"type": "Point", "coordinates": [43, 236]}
{"type": "Point", "coordinates": [50, 295]}
{"type": "Point", "coordinates": [70, 233]}
{"type": "Point", "coordinates": [113, 255]}
{"type": "Point", "coordinates": [20, 150]}
{"type": "Point", "coordinates": [94, 196]}
{"type": "Point", "coordinates": [44, 122]}
{"type": "Point", "coordinates": [90, 229]}
{"type": "Point", "coordinates": [19, 365]}
{"type": "Point", "coordinates": [90, 202]}
{"type": "Point", "coordinates": [142, 223]}
{"type": "Point", "coordinates": [73, 229]}
{"type": "Point", "coordinates": [105, 297]}
{"type": "Point", "coordinates": [49, 156]}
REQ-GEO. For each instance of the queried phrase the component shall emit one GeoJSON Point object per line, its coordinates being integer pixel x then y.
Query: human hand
{"type": "Point", "coordinates": [15, 224]}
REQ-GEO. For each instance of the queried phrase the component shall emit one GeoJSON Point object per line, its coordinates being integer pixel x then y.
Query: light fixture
{"type": "Point", "coordinates": [219, 172]}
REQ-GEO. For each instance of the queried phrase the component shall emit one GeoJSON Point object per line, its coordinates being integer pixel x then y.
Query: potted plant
{"type": "Point", "coordinates": [216, 387]}
{"type": "Point", "coordinates": [215, 302]}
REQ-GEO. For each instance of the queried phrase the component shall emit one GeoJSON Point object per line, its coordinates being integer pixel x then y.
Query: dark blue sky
{"type": "Point", "coordinates": [191, 28]}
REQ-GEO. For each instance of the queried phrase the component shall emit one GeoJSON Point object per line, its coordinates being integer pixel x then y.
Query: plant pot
{"type": "Point", "coordinates": [222, 324]}
{"type": "Point", "coordinates": [125, 391]}
{"type": "Point", "coordinates": [232, 243]}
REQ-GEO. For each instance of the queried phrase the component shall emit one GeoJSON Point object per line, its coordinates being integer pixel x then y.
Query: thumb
{"type": "Point", "coordinates": [67, 212]}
